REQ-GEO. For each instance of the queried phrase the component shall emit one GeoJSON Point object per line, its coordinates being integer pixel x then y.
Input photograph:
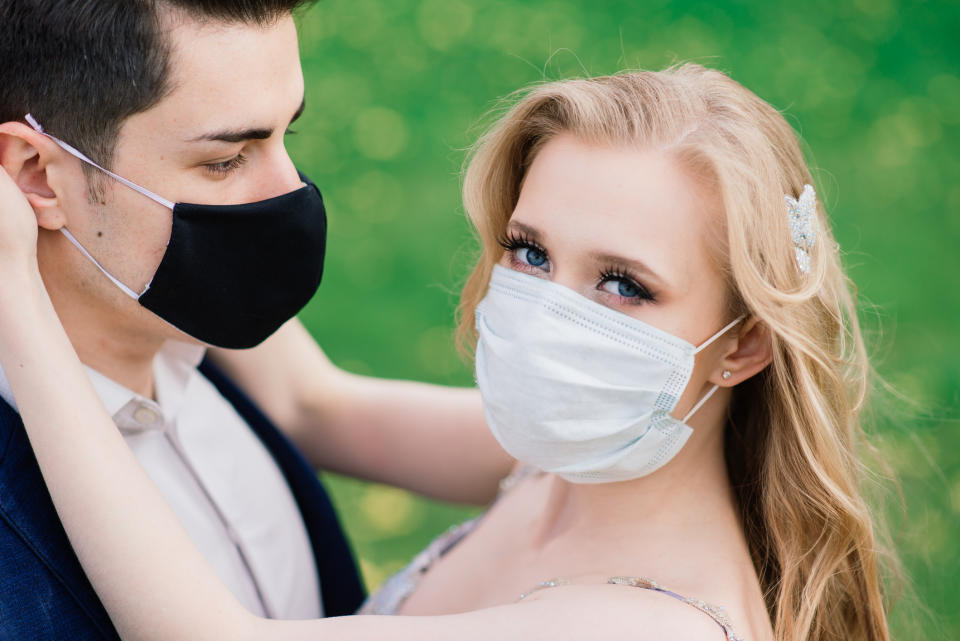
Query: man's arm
{"type": "Point", "coordinates": [429, 439]}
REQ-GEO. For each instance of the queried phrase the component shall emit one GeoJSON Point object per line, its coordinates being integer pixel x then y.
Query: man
{"type": "Point", "coordinates": [180, 101]}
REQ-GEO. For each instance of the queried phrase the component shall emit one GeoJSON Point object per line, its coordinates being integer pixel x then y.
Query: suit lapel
{"type": "Point", "coordinates": [25, 505]}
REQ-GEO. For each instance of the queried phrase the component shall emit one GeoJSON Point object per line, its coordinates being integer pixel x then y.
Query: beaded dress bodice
{"type": "Point", "coordinates": [398, 588]}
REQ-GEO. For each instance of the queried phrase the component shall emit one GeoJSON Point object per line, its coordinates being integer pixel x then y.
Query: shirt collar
{"type": "Point", "coordinates": [173, 369]}
{"type": "Point", "coordinates": [112, 394]}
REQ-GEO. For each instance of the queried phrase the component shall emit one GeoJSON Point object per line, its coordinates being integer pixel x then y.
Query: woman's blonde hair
{"type": "Point", "coordinates": [793, 432]}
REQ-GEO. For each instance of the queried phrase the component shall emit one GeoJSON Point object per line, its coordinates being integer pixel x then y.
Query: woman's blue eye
{"type": "Point", "coordinates": [620, 288]}
{"type": "Point", "coordinates": [624, 288]}
{"type": "Point", "coordinates": [531, 256]}
{"type": "Point", "coordinates": [629, 290]}
{"type": "Point", "coordinates": [524, 252]}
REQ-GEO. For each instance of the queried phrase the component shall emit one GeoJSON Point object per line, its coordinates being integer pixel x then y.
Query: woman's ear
{"type": "Point", "coordinates": [35, 163]}
{"type": "Point", "coordinates": [751, 353]}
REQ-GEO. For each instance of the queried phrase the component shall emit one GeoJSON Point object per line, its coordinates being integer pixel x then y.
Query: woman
{"type": "Point", "coordinates": [666, 343]}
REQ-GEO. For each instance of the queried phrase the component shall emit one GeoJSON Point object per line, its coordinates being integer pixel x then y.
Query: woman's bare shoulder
{"type": "Point", "coordinates": [566, 613]}
{"type": "Point", "coordinates": [619, 609]}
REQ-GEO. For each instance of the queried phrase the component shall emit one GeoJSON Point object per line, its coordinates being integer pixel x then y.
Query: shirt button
{"type": "Point", "coordinates": [145, 416]}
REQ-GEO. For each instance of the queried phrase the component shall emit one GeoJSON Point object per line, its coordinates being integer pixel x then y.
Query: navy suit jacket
{"type": "Point", "coordinates": [44, 594]}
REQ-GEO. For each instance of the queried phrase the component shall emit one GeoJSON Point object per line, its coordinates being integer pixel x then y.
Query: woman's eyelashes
{"type": "Point", "coordinates": [526, 255]}
{"type": "Point", "coordinates": [619, 283]}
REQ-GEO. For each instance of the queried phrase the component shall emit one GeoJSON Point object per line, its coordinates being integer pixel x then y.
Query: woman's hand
{"type": "Point", "coordinates": [18, 229]}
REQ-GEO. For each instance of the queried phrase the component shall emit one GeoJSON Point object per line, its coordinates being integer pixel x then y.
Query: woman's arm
{"type": "Point", "coordinates": [126, 537]}
{"type": "Point", "coordinates": [128, 541]}
{"type": "Point", "coordinates": [429, 439]}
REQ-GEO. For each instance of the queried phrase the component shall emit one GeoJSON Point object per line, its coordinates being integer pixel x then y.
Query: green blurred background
{"type": "Point", "coordinates": [396, 91]}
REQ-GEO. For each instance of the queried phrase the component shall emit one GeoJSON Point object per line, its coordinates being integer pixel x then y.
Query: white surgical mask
{"type": "Point", "coordinates": [575, 388]}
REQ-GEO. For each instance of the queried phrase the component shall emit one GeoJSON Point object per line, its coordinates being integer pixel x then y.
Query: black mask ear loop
{"type": "Point", "coordinates": [73, 151]}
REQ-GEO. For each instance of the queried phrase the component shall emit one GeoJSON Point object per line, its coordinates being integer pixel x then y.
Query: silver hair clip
{"type": "Point", "coordinates": [803, 225]}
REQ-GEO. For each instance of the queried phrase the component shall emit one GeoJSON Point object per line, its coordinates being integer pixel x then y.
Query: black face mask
{"type": "Point", "coordinates": [232, 274]}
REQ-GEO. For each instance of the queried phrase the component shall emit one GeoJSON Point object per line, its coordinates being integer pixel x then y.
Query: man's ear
{"type": "Point", "coordinates": [39, 168]}
{"type": "Point", "coordinates": [752, 352]}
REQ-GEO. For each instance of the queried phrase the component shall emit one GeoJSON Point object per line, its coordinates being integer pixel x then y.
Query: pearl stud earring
{"type": "Point", "coordinates": [726, 374]}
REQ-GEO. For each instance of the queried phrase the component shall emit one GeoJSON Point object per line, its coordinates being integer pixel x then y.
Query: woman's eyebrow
{"type": "Point", "coordinates": [633, 264]}
{"type": "Point", "coordinates": [242, 135]}
{"type": "Point", "coordinates": [527, 230]}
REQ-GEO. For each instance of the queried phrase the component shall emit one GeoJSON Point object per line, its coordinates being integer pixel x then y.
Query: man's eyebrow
{"type": "Point", "coordinates": [242, 135]}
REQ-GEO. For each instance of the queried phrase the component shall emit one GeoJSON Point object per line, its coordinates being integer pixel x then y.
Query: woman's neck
{"type": "Point", "coordinates": [691, 494]}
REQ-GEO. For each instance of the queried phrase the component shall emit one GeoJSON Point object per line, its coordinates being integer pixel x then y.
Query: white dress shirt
{"type": "Point", "coordinates": [221, 482]}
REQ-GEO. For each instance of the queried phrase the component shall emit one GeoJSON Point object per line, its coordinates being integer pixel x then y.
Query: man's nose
{"type": "Point", "coordinates": [278, 175]}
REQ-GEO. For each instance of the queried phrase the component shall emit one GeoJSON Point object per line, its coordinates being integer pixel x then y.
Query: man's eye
{"type": "Point", "coordinates": [226, 166]}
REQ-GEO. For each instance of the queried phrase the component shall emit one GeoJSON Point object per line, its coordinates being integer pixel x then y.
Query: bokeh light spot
{"type": "Point", "coordinates": [389, 510]}
{"type": "Point", "coordinates": [380, 133]}
{"type": "Point", "coordinates": [444, 22]}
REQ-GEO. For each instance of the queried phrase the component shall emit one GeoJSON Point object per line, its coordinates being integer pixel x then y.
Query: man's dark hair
{"type": "Point", "coordinates": [82, 67]}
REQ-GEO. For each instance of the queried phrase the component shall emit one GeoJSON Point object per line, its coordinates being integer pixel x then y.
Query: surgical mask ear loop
{"type": "Point", "coordinates": [703, 345]}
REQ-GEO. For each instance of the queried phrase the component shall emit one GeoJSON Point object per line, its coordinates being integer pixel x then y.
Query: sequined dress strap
{"type": "Point", "coordinates": [715, 612]}
{"type": "Point", "coordinates": [398, 588]}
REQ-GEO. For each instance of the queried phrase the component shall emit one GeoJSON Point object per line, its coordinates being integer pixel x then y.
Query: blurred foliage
{"type": "Point", "coordinates": [396, 91]}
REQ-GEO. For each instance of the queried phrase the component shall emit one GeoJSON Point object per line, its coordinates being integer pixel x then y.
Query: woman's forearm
{"type": "Point", "coordinates": [429, 439]}
{"type": "Point", "coordinates": [425, 438]}
{"type": "Point", "coordinates": [152, 580]}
